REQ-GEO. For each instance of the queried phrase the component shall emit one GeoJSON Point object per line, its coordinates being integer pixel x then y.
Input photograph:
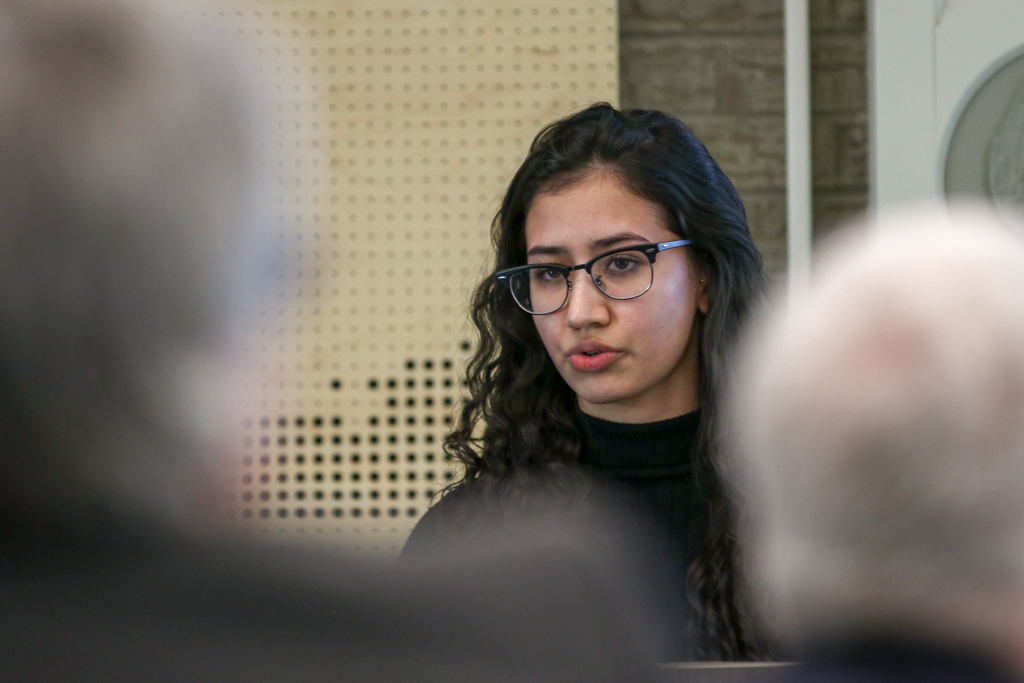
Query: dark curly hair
{"type": "Point", "coordinates": [519, 424]}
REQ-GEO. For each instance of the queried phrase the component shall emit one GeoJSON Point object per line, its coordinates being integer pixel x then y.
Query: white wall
{"type": "Point", "coordinates": [927, 57]}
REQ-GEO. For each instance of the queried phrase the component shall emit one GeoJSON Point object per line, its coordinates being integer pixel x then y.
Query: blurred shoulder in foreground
{"type": "Point", "coordinates": [125, 196]}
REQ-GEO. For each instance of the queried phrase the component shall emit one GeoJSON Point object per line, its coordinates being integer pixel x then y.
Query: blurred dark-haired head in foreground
{"type": "Point", "coordinates": [124, 204]}
{"type": "Point", "coordinates": [879, 424]}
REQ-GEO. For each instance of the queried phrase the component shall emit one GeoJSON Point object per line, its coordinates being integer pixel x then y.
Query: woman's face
{"type": "Point", "coordinates": [646, 360]}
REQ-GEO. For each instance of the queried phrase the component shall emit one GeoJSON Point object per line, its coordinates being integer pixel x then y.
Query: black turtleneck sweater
{"type": "Point", "coordinates": [650, 469]}
{"type": "Point", "coordinates": [653, 465]}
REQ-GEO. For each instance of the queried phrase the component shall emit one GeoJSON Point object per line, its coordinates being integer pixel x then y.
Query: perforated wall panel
{"type": "Point", "coordinates": [397, 127]}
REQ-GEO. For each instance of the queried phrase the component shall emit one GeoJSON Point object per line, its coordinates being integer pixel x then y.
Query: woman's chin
{"type": "Point", "coordinates": [592, 402]}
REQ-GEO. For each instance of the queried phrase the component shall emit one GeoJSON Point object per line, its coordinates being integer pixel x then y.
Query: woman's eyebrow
{"type": "Point", "coordinates": [541, 250]}
{"type": "Point", "coordinates": [597, 245]}
{"type": "Point", "coordinates": [613, 240]}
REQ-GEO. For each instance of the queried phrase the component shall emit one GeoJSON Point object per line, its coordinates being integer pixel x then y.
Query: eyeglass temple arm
{"type": "Point", "coordinates": [662, 246]}
{"type": "Point", "coordinates": [652, 253]}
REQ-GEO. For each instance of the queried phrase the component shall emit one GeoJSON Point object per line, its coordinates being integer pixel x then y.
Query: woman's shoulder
{"type": "Point", "coordinates": [434, 529]}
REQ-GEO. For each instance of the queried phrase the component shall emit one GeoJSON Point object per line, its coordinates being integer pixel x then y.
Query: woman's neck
{"type": "Point", "coordinates": [665, 402]}
{"type": "Point", "coordinates": [638, 415]}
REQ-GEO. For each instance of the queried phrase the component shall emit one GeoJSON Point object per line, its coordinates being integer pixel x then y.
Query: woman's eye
{"type": "Point", "coordinates": [622, 263]}
{"type": "Point", "coordinates": [546, 274]}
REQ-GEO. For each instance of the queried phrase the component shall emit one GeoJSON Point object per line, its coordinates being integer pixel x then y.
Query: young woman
{"type": "Point", "coordinates": [625, 266]}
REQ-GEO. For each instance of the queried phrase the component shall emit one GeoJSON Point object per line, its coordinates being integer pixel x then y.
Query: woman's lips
{"type": "Point", "coordinates": [592, 358]}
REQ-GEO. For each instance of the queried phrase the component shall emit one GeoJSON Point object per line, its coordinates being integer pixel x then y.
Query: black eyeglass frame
{"type": "Point", "coordinates": [650, 250]}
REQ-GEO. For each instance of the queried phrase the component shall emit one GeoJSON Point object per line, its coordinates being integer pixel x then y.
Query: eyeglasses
{"type": "Point", "coordinates": [624, 273]}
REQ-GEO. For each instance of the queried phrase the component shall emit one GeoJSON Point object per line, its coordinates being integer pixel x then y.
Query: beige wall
{"type": "Point", "coordinates": [395, 128]}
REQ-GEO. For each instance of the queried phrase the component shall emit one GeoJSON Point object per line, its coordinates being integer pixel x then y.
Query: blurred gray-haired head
{"type": "Point", "coordinates": [879, 436]}
{"type": "Point", "coordinates": [124, 174]}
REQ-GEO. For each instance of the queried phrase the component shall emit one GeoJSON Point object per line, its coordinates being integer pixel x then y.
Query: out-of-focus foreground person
{"type": "Point", "coordinates": [880, 445]}
{"type": "Point", "coordinates": [124, 183]}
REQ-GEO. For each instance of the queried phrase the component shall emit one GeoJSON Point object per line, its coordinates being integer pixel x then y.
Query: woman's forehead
{"type": "Point", "coordinates": [593, 214]}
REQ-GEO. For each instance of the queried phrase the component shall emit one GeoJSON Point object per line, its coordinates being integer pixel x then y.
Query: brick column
{"type": "Point", "coordinates": [719, 66]}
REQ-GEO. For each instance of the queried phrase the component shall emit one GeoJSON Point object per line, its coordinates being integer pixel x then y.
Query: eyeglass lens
{"type": "Point", "coordinates": [624, 275]}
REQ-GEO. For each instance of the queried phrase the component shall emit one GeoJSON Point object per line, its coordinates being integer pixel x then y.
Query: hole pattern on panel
{"type": "Point", "coordinates": [317, 468]}
{"type": "Point", "coordinates": [396, 128]}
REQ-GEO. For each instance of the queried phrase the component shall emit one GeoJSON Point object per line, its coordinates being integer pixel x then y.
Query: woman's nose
{"type": "Point", "coordinates": [587, 306]}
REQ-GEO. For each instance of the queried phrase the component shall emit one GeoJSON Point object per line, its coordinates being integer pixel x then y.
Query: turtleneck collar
{"type": "Point", "coordinates": [639, 450]}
